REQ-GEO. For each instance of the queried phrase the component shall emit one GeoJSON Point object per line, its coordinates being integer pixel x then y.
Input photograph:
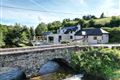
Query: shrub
{"type": "Point", "coordinates": [65, 42]}
{"type": "Point", "coordinates": [98, 62]}
{"type": "Point", "coordinates": [113, 34]}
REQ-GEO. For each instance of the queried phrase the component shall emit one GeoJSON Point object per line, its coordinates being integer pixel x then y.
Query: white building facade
{"type": "Point", "coordinates": [76, 34]}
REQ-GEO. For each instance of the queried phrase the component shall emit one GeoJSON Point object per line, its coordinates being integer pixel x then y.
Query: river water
{"type": "Point", "coordinates": [53, 71]}
{"type": "Point", "coordinates": [49, 71]}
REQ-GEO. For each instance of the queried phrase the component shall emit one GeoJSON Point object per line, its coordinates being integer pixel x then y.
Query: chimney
{"type": "Point", "coordinates": [79, 27]}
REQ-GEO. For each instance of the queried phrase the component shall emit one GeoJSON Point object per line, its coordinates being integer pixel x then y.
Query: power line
{"type": "Point", "coordinates": [56, 12]}
{"type": "Point", "coordinates": [39, 5]}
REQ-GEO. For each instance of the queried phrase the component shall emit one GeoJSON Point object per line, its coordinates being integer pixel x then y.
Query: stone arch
{"type": "Point", "coordinates": [60, 61]}
{"type": "Point", "coordinates": [63, 63]}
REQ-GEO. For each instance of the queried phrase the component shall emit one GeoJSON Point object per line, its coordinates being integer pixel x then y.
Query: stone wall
{"type": "Point", "coordinates": [30, 62]}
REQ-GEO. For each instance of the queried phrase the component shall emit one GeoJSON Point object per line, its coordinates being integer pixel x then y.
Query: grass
{"type": "Point", "coordinates": [98, 21]}
{"type": "Point", "coordinates": [103, 20]}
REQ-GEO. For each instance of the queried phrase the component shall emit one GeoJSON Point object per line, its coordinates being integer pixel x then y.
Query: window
{"type": "Point", "coordinates": [71, 37]}
{"type": "Point", "coordinates": [51, 39]}
{"type": "Point", "coordinates": [95, 38]}
{"type": "Point", "coordinates": [59, 39]}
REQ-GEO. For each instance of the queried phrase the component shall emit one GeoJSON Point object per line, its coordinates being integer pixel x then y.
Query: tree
{"type": "Point", "coordinates": [40, 29]}
{"type": "Point", "coordinates": [82, 23]}
{"type": "Point", "coordinates": [4, 29]}
{"type": "Point", "coordinates": [91, 23]}
{"type": "Point", "coordinates": [102, 15]}
{"type": "Point", "coordinates": [65, 21]}
{"type": "Point", "coordinates": [23, 37]}
{"type": "Point", "coordinates": [113, 34]}
{"type": "Point", "coordinates": [88, 17]}
{"type": "Point", "coordinates": [26, 32]}
{"type": "Point", "coordinates": [13, 37]}
{"type": "Point", "coordinates": [115, 22]}
{"type": "Point", "coordinates": [1, 38]}
{"type": "Point", "coordinates": [32, 33]}
{"type": "Point", "coordinates": [16, 35]}
{"type": "Point", "coordinates": [99, 62]}
{"type": "Point", "coordinates": [54, 26]}
{"type": "Point", "coordinates": [76, 19]}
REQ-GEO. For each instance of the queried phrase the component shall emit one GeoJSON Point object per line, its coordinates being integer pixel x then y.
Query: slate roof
{"type": "Point", "coordinates": [91, 31]}
{"type": "Point", "coordinates": [47, 33]}
{"type": "Point", "coordinates": [69, 29]}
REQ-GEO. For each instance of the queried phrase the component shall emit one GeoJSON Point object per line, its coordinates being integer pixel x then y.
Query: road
{"type": "Point", "coordinates": [45, 47]}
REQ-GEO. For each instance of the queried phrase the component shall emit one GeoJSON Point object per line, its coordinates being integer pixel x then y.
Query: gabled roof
{"type": "Point", "coordinates": [92, 31]}
{"type": "Point", "coordinates": [69, 29]}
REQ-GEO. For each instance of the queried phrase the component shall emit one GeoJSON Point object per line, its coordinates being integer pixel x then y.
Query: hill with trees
{"type": "Point", "coordinates": [20, 35]}
{"type": "Point", "coordinates": [87, 22]}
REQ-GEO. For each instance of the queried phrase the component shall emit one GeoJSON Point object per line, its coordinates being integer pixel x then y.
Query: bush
{"type": "Point", "coordinates": [113, 34]}
{"type": "Point", "coordinates": [98, 62]}
{"type": "Point", "coordinates": [65, 42]}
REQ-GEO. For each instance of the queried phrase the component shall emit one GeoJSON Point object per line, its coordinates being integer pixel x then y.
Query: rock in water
{"type": "Point", "coordinates": [49, 68]}
{"type": "Point", "coordinates": [75, 77]}
{"type": "Point", "coordinates": [7, 73]}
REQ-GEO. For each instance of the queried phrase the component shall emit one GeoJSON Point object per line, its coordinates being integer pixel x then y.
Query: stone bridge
{"type": "Point", "coordinates": [31, 59]}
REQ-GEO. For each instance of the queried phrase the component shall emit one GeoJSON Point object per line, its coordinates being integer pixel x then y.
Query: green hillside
{"type": "Point", "coordinates": [113, 21]}
{"type": "Point", "coordinates": [104, 20]}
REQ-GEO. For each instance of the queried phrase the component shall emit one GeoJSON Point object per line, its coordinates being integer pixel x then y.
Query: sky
{"type": "Point", "coordinates": [32, 12]}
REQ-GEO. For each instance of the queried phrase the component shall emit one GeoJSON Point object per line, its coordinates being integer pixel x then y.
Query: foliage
{"type": "Point", "coordinates": [1, 38]}
{"type": "Point", "coordinates": [82, 23]}
{"type": "Point", "coordinates": [54, 26]}
{"type": "Point", "coordinates": [91, 23]}
{"type": "Point", "coordinates": [3, 32]}
{"type": "Point", "coordinates": [115, 22]}
{"type": "Point", "coordinates": [113, 34]}
{"type": "Point", "coordinates": [65, 42]}
{"type": "Point", "coordinates": [16, 35]}
{"type": "Point", "coordinates": [32, 33]}
{"type": "Point", "coordinates": [102, 15]}
{"type": "Point", "coordinates": [88, 17]}
{"type": "Point", "coordinates": [66, 21]}
{"type": "Point", "coordinates": [40, 29]}
{"type": "Point", "coordinates": [13, 36]}
{"type": "Point", "coordinates": [99, 62]}
{"type": "Point", "coordinates": [94, 22]}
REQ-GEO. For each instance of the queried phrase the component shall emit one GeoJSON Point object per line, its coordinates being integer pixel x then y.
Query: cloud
{"type": "Point", "coordinates": [82, 2]}
{"type": "Point", "coordinates": [29, 17]}
{"type": "Point", "coordinates": [109, 7]}
{"type": "Point", "coordinates": [84, 7]}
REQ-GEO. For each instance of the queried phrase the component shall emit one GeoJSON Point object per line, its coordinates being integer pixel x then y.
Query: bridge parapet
{"type": "Point", "coordinates": [31, 61]}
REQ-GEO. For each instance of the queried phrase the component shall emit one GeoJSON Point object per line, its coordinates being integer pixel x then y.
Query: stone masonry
{"type": "Point", "coordinates": [30, 62]}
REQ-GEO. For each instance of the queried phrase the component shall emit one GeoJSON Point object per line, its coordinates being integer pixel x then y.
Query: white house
{"type": "Point", "coordinates": [76, 34]}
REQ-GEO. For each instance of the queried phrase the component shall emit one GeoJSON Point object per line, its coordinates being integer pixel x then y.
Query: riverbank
{"type": "Point", "coordinates": [59, 75]}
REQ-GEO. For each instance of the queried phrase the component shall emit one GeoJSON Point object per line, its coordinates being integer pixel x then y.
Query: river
{"type": "Point", "coordinates": [49, 71]}
{"type": "Point", "coordinates": [56, 72]}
